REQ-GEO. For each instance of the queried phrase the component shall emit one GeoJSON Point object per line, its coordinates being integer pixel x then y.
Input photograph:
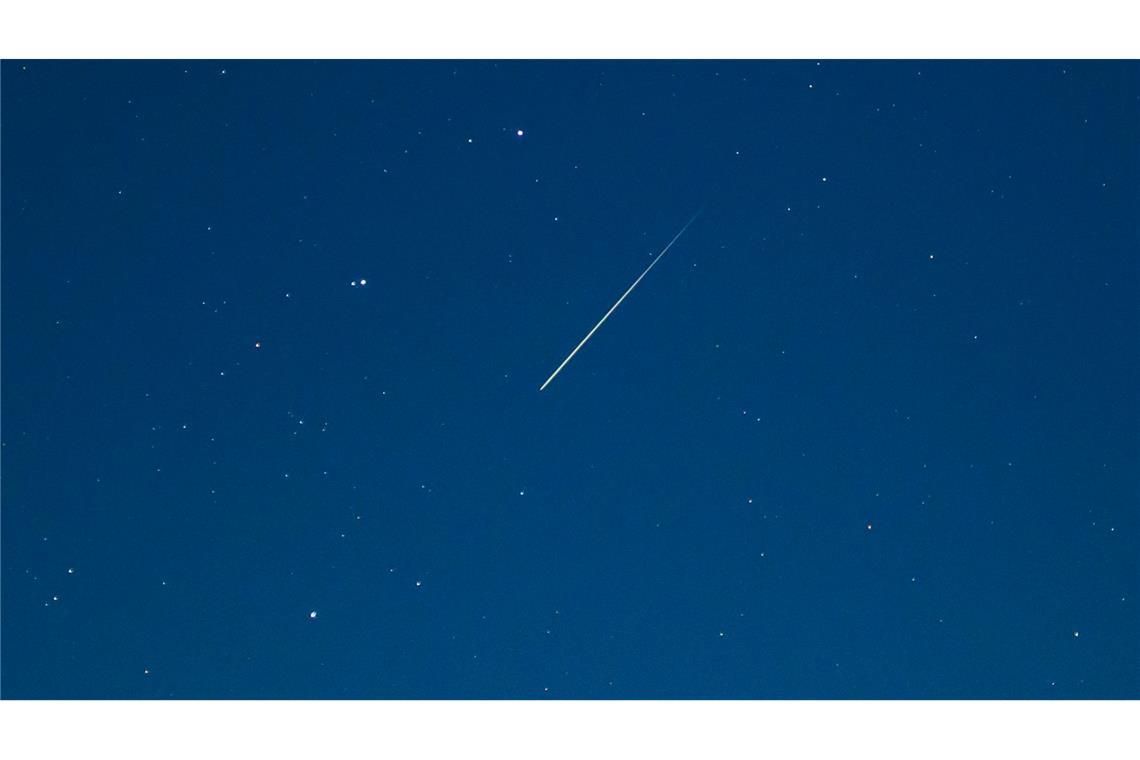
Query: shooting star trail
{"type": "Point", "coordinates": [623, 295]}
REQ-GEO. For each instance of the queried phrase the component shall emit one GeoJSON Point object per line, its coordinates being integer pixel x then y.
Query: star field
{"type": "Point", "coordinates": [273, 334]}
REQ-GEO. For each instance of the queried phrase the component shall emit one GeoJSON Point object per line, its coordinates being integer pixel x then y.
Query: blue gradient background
{"type": "Point", "coordinates": [874, 436]}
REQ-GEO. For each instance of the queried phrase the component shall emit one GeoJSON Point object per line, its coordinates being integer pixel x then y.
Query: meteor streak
{"type": "Point", "coordinates": [623, 295]}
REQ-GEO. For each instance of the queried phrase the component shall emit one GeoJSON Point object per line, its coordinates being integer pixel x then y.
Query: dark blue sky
{"type": "Point", "coordinates": [870, 429]}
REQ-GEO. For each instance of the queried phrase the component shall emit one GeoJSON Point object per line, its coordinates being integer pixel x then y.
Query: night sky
{"type": "Point", "coordinates": [273, 335]}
